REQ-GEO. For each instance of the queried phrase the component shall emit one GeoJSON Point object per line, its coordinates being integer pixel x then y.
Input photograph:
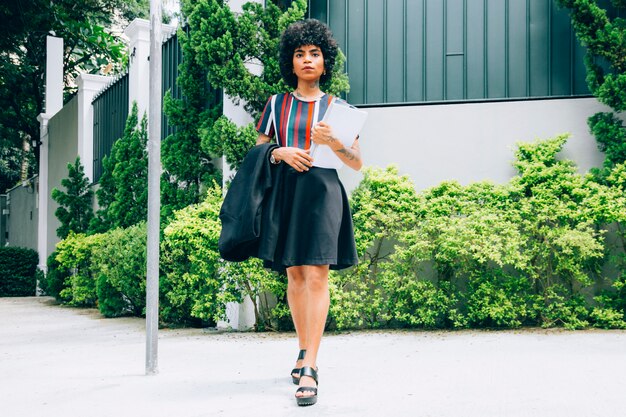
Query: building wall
{"type": "Point", "coordinates": [401, 51]}
{"type": "Point", "coordinates": [63, 148]}
{"type": "Point", "coordinates": [21, 222]}
{"type": "Point", "coordinates": [471, 142]}
{"type": "Point", "coordinates": [3, 219]}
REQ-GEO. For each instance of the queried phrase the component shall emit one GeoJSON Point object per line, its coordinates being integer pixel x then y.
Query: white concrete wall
{"type": "Point", "coordinates": [22, 218]}
{"type": "Point", "coordinates": [62, 150]}
{"type": "Point", "coordinates": [472, 141]}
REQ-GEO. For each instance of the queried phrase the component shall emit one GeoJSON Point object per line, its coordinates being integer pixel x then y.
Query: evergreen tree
{"type": "Point", "coordinates": [105, 195]}
{"type": "Point", "coordinates": [186, 166]}
{"type": "Point", "coordinates": [75, 205]}
{"type": "Point", "coordinates": [605, 39]}
{"type": "Point", "coordinates": [123, 192]}
{"type": "Point", "coordinates": [130, 174]}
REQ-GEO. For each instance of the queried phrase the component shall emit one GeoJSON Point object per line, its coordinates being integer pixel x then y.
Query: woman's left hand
{"type": "Point", "coordinates": [323, 135]}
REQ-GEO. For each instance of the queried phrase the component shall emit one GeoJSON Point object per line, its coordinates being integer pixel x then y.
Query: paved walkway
{"type": "Point", "coordinates": [61, 361]}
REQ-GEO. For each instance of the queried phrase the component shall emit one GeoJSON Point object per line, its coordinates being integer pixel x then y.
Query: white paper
{"type": "Point", "coordinates": [346, 123]}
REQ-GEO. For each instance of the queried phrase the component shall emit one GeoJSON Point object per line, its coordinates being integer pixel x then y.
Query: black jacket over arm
{"type": "Point", "coordinates": [241, 211]}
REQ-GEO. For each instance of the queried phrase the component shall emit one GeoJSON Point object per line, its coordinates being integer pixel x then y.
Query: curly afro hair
{"type": "Point", "coordinates": [307, 32]}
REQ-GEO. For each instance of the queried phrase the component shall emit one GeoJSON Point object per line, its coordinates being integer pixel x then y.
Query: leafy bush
{"type": "Point", "coordinates": [197, 283]}
{"type": "Point", "coordinates": [382, 207]}
{"type": "Point", "coordinates": [608, 318]}
{"type": "Point", "coordinates": [266, 289]}
{"type": "Point", "coordinates": [480, 255]}
{"type": "Point", "coordinates": [120, 268]}
{"type": "Point", "coordinates": [558, 307]}
{"type": "Point", "coordinates": [56, 278]}
{"type": "Point", "coordinates": [422, 303]}
{"type": "Point", "coordinates": [76, 253]}
{"type": "Point", "coordinates": [191, 288]}
{"type": "Point", "coordinates": [500, 301]}
{"type": "Point", "coordinates": [18, 268]}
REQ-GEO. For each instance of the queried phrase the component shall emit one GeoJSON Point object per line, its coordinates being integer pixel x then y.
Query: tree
{"type": "Point", "coordinates": [75, 205]}
{"type": "Point", "coordinates": [88, 47]}
{"type": "Point", "coordinates": [187, 167]}
{"type": "Point", "coordinates": [123, 192]}
{"type": "Point", "coordinates": [605, 39]}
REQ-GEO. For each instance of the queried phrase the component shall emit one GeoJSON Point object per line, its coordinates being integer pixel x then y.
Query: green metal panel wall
{"type": "Point", "coordinates": [172, 55]}
{"type": "Point", "coordinates": [449, 50]}
{"type": "Point", "coordinates": [110, 111]}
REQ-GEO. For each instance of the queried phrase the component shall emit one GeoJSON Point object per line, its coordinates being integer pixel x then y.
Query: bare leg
{"type": "Point", "coordinates": [297, 299]}
{"type": "Point", "coordinates": [318, 301]}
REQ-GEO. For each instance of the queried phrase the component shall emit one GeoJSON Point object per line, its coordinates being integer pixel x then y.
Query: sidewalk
{"type": "Point", "coordinates": [61, 361]}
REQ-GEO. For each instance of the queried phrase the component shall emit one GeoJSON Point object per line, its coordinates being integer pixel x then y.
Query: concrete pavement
{"type": "Point", "coordinates": [62, 361]}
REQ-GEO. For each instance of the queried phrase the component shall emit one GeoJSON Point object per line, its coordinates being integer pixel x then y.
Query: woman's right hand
{"type": "Point", "coordinates": [297, 158]}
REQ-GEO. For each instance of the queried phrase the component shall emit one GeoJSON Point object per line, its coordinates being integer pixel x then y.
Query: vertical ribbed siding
{"type": "Point", "coordinates": [172, 56]}
{"type": "Point", "coordinates": [110, 110]}
{"type": "Point", "coordinates": [437, 50]}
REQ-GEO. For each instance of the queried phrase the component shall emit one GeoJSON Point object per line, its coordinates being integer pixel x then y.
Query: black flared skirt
{"type": "Point", "coordinates": [308, 222]}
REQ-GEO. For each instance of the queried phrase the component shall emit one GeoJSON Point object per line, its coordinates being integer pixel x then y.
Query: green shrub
{"type": "Point", "coordinates": [111, 302]}
{"type": "Point", "coordinates": [120, 268]}
{"type": "Point", "coordinates": [463, 231]}
{"type": "Point", "coordinates": [76, 253]}
{"type": "Point", "coordinates": [558, 307]}
{"type": "Point", "coordinates": [193, 291]}
{"type": "Point", "coordinates": [499, 301]}
{"type": "Point", "coordinates": [18, 268]}
{"type": "Point", "coordinates": [421, 303]}
{"type": "Point", "coordinates": [383, 208]}
{"type": "Point", "coordinates": [56, 278]}
{"type": "Point", "coordinates": [607, 318]}
{"type": "Point", "coordinates": [266, 289]}
{"type": "Point", "coordinates": [559, 212]}
{"type": "Point", "coordinates": [482, 254]}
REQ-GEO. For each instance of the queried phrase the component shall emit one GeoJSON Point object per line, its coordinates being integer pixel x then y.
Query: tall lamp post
{"type": "Point", "coordinates": [154, 190]}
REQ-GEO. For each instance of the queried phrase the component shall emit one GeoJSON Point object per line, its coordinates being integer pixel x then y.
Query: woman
{"type": "Point", "coordinates": [316, 234]}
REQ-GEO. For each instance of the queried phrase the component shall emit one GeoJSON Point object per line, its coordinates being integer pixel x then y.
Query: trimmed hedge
{"type": "Point", "coordinates": [18, 271]}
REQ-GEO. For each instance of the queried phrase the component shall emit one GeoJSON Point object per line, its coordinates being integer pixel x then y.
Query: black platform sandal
{"type": "Point", "coordinates": [307, 399]}
{"type": "Point", "coordinates": [296, 379]}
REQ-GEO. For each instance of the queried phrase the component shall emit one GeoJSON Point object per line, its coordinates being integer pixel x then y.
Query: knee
{"type": "Point", "coordinates": [317, 282]}
{"type": "Point", "coordinates": [295, 280]}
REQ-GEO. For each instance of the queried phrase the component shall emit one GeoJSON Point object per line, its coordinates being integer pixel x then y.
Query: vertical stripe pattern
{"type": "Point", "coordinates": [291, 119]}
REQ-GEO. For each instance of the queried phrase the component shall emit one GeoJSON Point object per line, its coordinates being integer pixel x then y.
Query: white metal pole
{"type": "Point", "coordinates": [154, 190]}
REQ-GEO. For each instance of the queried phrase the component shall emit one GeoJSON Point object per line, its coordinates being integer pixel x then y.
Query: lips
{"type": "Point", "coordinates": [307, 68]}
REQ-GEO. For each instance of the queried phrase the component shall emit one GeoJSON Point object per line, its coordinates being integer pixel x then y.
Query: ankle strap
{"type": "Point", "coordinates": [308, 371]}
{"type": "Point", "coordinates": [301, 354]}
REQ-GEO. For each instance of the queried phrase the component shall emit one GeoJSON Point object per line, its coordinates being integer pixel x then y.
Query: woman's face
{"type": "Point", "coordinates": [308, 62]}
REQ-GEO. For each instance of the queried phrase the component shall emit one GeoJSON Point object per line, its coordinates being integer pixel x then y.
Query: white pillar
{"type": "Point", "coordinates": [138, 33]}
{"type": "Point", "coordinates": [42, 193]}
{"type": "Point", "coordinates": [239, 316]}
{"type": "Point", "coordinates": [54, 75]}
{"type": "Point", "coordinates": [88, 86]}
{"type": "Point", "coordinates": [53, 103]}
